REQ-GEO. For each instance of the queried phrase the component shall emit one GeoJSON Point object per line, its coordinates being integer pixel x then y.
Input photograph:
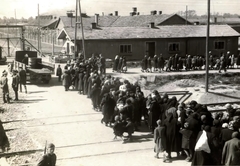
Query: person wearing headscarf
{"type": "Point", "coordinates": [107, 107]}
{"type": "Point", "coordinates": [153, 113]}
{"type": "Point", "coordinates": [173, 143]}
{"type": "Point", "coordinates": [194, 125]}
{"type": "Point", "coordinates": [231, 151]}
{"type": "Point", "coordinates": [226, 134]}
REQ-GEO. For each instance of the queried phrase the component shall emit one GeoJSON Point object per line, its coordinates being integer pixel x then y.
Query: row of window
{"type": "Point", "coordinates": [127, 48]}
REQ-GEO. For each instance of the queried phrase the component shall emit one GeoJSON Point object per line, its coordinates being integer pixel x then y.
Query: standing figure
{"type": "Point", "coordinates": [144, 63]}
{"type": "Point", "coordinates": [102, 64]}
{"type": "Point", "coordinates": [115, 64]}
{"type": "Point", "coordinates": [223, 63]}
{"type": "Point", "coordinates": [22, 79]}
{"type": "Point", "coordinates": [4, 87]}
{"type": "Point", "coordinates": [15, 83]}
{"type": "Point", "coordinates": [159, 139]}
{"type": "Point", "coordinates": [50, 158]}
{"type": "Point", "coordinates": [66, 80]}
{"type": "Point", "coordinates": [59, 73]}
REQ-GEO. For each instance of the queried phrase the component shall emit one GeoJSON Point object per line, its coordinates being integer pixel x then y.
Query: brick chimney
{"type": "Point", "coordinates": [96, 18]}
{"type": "Point", "coordinates": [151, 25]}
{"type": "Point", "coordinates": [116, 13]}
{"type": "Point", "coordinates": [94, 25]}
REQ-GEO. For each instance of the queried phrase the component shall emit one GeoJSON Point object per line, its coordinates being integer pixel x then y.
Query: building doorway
{"type": "Point", "coordinates": [150, 49]}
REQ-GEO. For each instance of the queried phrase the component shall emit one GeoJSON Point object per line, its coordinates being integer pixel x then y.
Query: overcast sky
{"type": "Point", "coordinates": [28, 8]}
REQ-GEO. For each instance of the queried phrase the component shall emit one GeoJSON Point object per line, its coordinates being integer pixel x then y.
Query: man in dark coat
{"type": "Point", "coordinates": [231, 151]}
{"type": "Point", "coordinates": [22, 79]}
{"type": "Point", "coordinates": [50, 158]}
{"type": "Point", "coordinates": [59, 73]}
{"type": "Point", "coordinates": [15, 83]}
{"type": "Point", "coordinates": [107, 107]}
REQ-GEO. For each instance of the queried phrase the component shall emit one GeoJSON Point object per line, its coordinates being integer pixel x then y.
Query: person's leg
{"type": "Point", "coordinates": [4, 98]}
{"type": "Point", "coordinates": [25, 87]}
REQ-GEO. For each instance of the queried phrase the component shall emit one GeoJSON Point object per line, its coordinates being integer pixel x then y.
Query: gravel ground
{"type": "Point", "coordinates": [24, 138]}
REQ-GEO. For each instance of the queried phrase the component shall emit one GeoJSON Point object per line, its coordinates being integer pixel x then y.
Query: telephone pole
{"type": "Point", "coordinates": [207, 47]}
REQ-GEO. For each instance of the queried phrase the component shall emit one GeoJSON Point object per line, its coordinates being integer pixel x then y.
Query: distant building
{"type": "Point", "coordinates": [135, 42]}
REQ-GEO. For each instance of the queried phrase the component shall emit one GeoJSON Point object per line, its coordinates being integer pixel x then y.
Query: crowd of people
{"type": "Point", "coordinates": [189, 62]}
{"type": "Point", "coordinates": [185, 128]}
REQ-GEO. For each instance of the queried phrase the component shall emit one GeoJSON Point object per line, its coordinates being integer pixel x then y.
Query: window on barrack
{"type": "Point", "coordinates": [126, 48]}
{"type": "Point", "coordinates": [219, 45]}
{"type": "Point", "coordinates": [173, 47]}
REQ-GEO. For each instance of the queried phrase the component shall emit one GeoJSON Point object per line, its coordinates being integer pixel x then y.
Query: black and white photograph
{"type": "Point", "coordinates": [119, 82]}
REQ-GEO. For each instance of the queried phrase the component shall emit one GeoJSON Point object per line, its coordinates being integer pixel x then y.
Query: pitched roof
{"type": "Point", "coordinates": [103, 21]}
{"type": "Point", "coordinates": [175, 31]}
{"type": "Point", "coordinates": [142, 20]}
{"type": "Point", "coordinates": [120, 21]}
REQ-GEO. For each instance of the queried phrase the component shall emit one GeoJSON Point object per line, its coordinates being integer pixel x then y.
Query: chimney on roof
{"type": "Point", "coordinates": [94, 25]}
{"type": "Point", "coordinates": [133, 13]}
{"type": "Point", "coordinates": [134, 9]}
{"type": "Point", "coordinates": [110, 14]}
{"type": "Point", "coordinates": [151, 25]}
{"type": "Point", "coordinates": [116, 13]}
{"type": "Point", "coordinates": [96, 18]}
{"type": "Point", "coordinates": [159, 12]}
{"type": "Point", "coordinates": [196, 23]}
{"type": "Point", "coordinates": [215, 19]}
{"type": "Point", "coordinates": [154, 12]}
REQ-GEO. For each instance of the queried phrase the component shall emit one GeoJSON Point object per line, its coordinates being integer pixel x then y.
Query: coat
{"type": "Point", "coordinates": [159, 139]}
{"type": "Point", "coordinates": [231, 152]}
{"type": "Point", "coordinates": [59, 71]}
{"type": "Point", "coordinates": [66, 79]}
{"type": "Point", "coordinates": [22, 77]}
{"type": "Point", "coordinates": [107, 108]}
{"type": "Point", "coordinates": [48, 160]}
{"type": "Point", "coordinates": [4, 84]}
{"type": "Point", "coordinates": [173, 139]}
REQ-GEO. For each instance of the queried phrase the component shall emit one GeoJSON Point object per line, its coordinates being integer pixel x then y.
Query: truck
{"type": "Point", "coordinates": [37, 70]}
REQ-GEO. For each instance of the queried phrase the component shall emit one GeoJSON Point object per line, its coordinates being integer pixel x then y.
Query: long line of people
{"type": "Point", "coordinates": [177, 63]}
{"type": "Point", "coordinates": [187, 129]}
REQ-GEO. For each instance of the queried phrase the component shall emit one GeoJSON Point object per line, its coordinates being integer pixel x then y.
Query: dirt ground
{"type": "Point", "coordinates": [48, 113]}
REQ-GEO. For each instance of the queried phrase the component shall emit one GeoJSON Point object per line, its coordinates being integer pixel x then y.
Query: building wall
{"type": "Point", "coordinates": [192, 46]}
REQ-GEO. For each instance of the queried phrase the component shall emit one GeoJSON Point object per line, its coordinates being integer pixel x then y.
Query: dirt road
{"type": "Point", "coordinates": [68, 120]}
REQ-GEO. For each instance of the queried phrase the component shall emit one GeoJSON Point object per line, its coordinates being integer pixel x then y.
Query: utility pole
{"type": "Point", "coordinates": [75, 37]}
{"type": "Point", "coordinates": [207, 47]}
{"type": "Point", "coordinates": [83, 45]}
{"type": "Point", "coordinates": [186, 13]}
{"type": "Point", "coordinates": [38, 28]}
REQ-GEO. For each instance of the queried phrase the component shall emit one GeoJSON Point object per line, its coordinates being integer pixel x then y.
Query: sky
{"type": "Point", "coordinates": [28, 8]}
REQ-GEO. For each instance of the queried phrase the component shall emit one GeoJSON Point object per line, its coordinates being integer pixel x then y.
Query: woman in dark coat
{"type": "Point", "coordinates": [94, 95]}
{"type": "Point", "coordinates": [194, 126]}
{"type": "Point", "coordinates": [107, 106]}
{"type": "Point", "coordinates": [115, 64]}
{"type": "Point", "coordinates": [160, 63]}
{"type": "Point", "coordinates": [173, 143]}
{"type": "Point", "coordinates": [153, 114]}
{"type": "Point", "coordinates": [85, 83]}
{"type": "Point", "coordinates": [80, 82]}
{"type": "Point", "coordinates": [119, 67]}
{"type": "Point", "coordinates": [144, 63]}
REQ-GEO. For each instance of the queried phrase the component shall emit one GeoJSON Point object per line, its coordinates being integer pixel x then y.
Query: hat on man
{"type": "Point", "coordinates": [51, 145]}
